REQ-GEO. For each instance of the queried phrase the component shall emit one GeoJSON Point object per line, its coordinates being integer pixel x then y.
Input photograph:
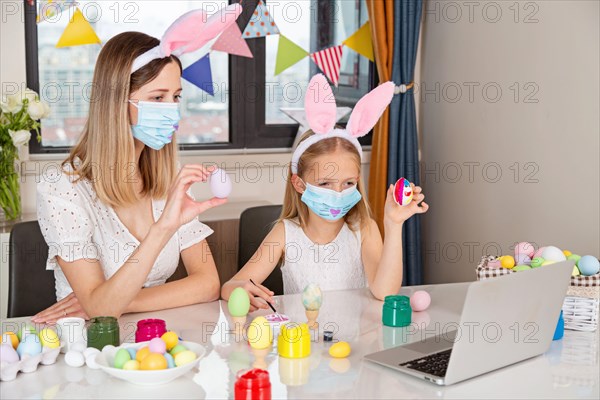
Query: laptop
{"type": "Point", "coordinates": [504, 320]}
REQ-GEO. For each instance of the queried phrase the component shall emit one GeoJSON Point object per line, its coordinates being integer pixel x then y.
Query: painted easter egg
{"type": "Point", "coordinates": [30, 345]}
{"type": "Point", "coordinates": [121, 357]}
{"type": "Point", "coordinates": [177, 349]}
{"type": "Point", "coordinates": [239, 302]}
{"type": "Point", "coordinates": [312, 297]}
{"type": "Point", "coordinates": [576, 271]}
{"type": "Point", "coordinates": [521, 268]}
{"type": "Point", "coordinates": [10, 338]}
{"type": "Point", "coordinates": [142, 353]}
{"type": "Point", "coordinates": [49, 338]}
{"type": "Point", "coordinates": [495, 264]}
{"type": "Point", "coordinates": [157, 345]}
{"type": "Point", "coordinates": [524, 248]}
{"type": "Point", "coordinates": [260, 334]}
{"type": "Point", "coordinates": [171, 339]}
{"type": "Point", "coordinates": [537, 262]}
{"type": "Point", "coordinates": [340, 350]}
{"type": "Point", "coordinates": [507, 262]}
{"type": "Point", "coordinates": [420, 300]}
{"type": "Point", "coordinates": [522, 259]}
{"type": "Point", "coordinates": [170, 360]}
{"type": "Point", "coordinates": [553, 253]}
{"type": "Point", "coordinates": [153, 361]}
{"type": "Point", "coordinates": [588, 265]}
{"type": "Point", "coordinates": [574, 257]}
{"type": "Point", "coordinates": [538, 252]}
{"type": "Point", "coordinates": [403, 193]}
{"type": "Point", "coordinates": [131, 365]}
{"type": "Point", "coordinates": [220, 184]}
{"type": "Point", "coordinates": [185, 357]}
{"type": "Point", "coordinates": [8, 354]}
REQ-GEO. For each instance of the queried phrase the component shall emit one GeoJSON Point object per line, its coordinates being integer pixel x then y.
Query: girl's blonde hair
{"type": "Point", "coordinates": [105, 152]}
{"type": "Point", "coordinates": [293, 207]}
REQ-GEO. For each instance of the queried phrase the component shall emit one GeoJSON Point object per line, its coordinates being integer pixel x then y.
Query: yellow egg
{"type": "Point", "coordinates": [171, 339]}
{"type": "Point", "coordinates": [153, 361]}
{"type": "Point", "coordinates": [260, 334]}
{"type": "Point", "coordinates": [548, 262]}
{"type": "Point", "coordinates": [142, 353]}
{"type": "Point", "coordinates": [131, 365]}
{"type": "Point", "coordinates": [185, 357]}
{"type": "Point", "coordinates": [567, 253]}
{"type": "Point", "coordinates": [10, 338]}
{"type": "Point", "coordinates": [49, 338]}
{"type": "Point", "coordinates": [507, 262]}
{"type": "Point", "coordinates": [340, 350]}
{"type": "Point", "coordinates": [576, 271]}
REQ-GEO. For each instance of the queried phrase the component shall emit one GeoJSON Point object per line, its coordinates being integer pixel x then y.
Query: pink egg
{"type": "Point", "coordinates": [157, 345]}
{"type": "Point", "coordinates": [494, 264]}
{"type": "Point", "coordinates": [522, 259]}
{"type": "Point", "coordinates": [538, 252]}
{"type": "Point", "coordinates": [524, 248]}
{"type": "Point", "coordinates": [420, 300]}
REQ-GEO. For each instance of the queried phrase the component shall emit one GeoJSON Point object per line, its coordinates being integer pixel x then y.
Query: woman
{"type": "Point", "coordinates": [119, 215]}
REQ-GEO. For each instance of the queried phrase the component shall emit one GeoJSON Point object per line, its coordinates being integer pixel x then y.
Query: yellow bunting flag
{"type": "Point", "coordinates": [78, 32]}
{"type": "Point", "coordinates": [361, 42]}
{"type": "Point", "coordinates": [288, 54]}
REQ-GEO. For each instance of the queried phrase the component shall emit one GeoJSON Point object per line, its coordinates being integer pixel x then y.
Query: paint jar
{"type": "Point", "coordinates": [148, 329]}
{"type": "Point", "coordinates": [253, 384]}
{"type": "Point", "coordinates": [294, 341]}
{"type": "Point", "coordinates": [396, 311]}
{"type": "Point", "coordinates": [103, 331]}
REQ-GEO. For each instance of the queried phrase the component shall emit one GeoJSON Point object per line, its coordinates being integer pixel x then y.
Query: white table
{"type": "Point", "coordinates": [568, 370]}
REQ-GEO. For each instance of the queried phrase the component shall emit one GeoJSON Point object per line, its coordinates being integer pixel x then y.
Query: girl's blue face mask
{"type": "Point", "coordinates": [156, 123]}
{"type": "Point", "coordinates": [330, 204]}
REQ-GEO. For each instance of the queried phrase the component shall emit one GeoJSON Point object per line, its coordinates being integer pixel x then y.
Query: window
{"type": "Point", "coordinates": [244, 113]}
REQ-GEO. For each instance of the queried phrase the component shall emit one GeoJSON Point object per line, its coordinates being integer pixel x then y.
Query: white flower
{"type": "Point", "coordinates": [36, 110]}
{"type": "Point", "coordinates": [13, 103]}
{"type": "Point", "coordinates": [46, 109]}
{"type": "Point", "coordinates": [30, 95]}
{"type": "Point", "coordinates": [19, 138]}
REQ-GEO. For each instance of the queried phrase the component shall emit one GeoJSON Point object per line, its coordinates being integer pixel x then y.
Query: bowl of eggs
{"type": "Point", "coordinates": [156, 362]}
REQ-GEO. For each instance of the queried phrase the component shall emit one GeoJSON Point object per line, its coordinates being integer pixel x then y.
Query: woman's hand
{"type": "Point", "coordinates": [397, 214]}
{"type": "Point", "coordinates": [180, 208]}
{"type": "Point", "coordinates": [67, 307]}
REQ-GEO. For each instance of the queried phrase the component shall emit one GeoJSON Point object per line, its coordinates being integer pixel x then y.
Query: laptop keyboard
{"type": "Point", "coordinates": [434, 364]}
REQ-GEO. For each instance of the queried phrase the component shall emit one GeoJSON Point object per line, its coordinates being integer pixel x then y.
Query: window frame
{"type": "Point", "coordinates": [244, 115]}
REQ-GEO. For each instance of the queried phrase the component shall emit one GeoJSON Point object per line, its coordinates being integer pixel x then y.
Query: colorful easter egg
{"type": "Point", "coordinates": [131, 365]}
{"type": "Point", "coordinates": [132, 353]}
{"type": "Point", "coordinates": [153, 361]}
{"type": "Point", "coordinates": [537, 262]}
{"type": "Point", "coordinates": [142, 353]}
{"type": "Point", "coordinates": [524, 248]}
{"type": "Point", "coordinates": [588, 265]}
{"type": "Point", "coordinates": [49, 338]}
{"type": "Point", "coordinates": [177, 349]}
{"type": "Point", "coordinates": [27, 329]}
{"type": "Point", "coordinates": [567, 253]}
{"type": "Point", "coordinates": [121, 357]}
{"type": "Point", "coordinates": [576, 271]}
{"type": "Point", "coordinates": [260, 334]}
{"type": "Point", "coordinates": [170, 360]}
{"type": "Point", "coordinates": [522, 259]}
{"type": "Point", "coordinates": [220, 184]}
{"type": "Point", "coordinates": [507, 262]}
{"type": "Point", "coordinates": [521, 268]}
{"type": "Point", "coordinates": [239, 303]}
{"type": "Point", "coordinates": [30, 345]}
{"type": "Point", "coordinates": [340, 350]}
{"type": "Point", "coordinates": [171, 339]}
{"type": "Point", "coordinates": [574, 257]}
{"type": "Point", "coordinates": [312, 297]}
{"type": "Point", "coordinates": [420, 300]}
{"type": "Point", "coordinates": [538, 252]}
{"type": "Point", "coordinates": [548, 262]}
{"type": "Point", "coordinates": [403, 193]}
{"type": "Point", "coordinates": [185, 357]}
{"type": "Point", "coordinates": [495, 264]}
{"type": "Point", "coordinates": [8, 354]}
{"type": "Point", "coordinates": [157, 345]}
{"type": "Point", "coordinates": [553, 253]}
{"type": "Point", "coordinates": [10, 338]}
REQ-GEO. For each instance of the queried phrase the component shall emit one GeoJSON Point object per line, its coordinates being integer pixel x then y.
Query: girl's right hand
{"type": "Point", "coordinates": [257, 292]}
{"type": "Point", "coordinates": [180, 208]}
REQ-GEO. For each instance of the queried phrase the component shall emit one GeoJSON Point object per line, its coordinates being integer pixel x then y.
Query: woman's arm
{"type": "Point", "coordinates": [382, 260]}
{"type": "Point", "coordinates": [201, 285]}
{"type": "Point", "coordinates": [258, 268]}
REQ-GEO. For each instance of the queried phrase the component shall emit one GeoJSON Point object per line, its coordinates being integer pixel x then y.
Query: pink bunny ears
{"type": "Point", "coordinates": [188, 33]}
{"type": "Point", "coordinates": [320, 108]}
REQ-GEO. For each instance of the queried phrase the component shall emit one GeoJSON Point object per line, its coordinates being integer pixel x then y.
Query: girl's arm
{"type": "Point", "coordinates": [383, 260]}
{"type": "Point", "coordinates": [258, 268]}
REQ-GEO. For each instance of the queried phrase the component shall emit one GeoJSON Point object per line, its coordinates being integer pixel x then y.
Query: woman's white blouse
{"type": "Point", "coordinates": [77, 225]}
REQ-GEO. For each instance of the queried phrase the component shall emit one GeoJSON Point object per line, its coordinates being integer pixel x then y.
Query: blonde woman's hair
{"type": "Point", "coordinates": [293, 207]}
{"type": "Point", "coordinates": [105, 152]}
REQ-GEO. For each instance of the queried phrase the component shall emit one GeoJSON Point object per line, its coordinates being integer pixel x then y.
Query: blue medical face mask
{"type": "Point", "coordinates": [329, 204]}
{"type": "Point", "coordinates": [156, 123]}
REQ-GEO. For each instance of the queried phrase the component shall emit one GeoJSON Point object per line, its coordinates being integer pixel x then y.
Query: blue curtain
{"type": "Point", "coordinates": [403, 158]}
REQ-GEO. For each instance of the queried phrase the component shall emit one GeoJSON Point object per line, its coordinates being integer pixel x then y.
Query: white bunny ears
{"type": "Point", "coordinates": [320, 108]}
{"type": "Point", "coordinates": [188, 33]}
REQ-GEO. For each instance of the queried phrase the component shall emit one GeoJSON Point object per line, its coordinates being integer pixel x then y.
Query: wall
{"type": "Point", "coordinates": [519, 166]}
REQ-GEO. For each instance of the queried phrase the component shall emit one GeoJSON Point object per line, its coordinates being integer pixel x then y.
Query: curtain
{"type": "Point", "coordinates": [381, 17]}
{"type": "Point", "coordinates": [403, 147]}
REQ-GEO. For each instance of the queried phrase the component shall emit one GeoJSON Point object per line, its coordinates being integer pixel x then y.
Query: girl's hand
{"type": "Point", "coordinates": [397, 214]}
{"type": "Point", "coordinates": [258, 293]}
{"type": "Point", "coordinates": [67, 307]}
{"type": "Point", "coordinates": [180, 208]}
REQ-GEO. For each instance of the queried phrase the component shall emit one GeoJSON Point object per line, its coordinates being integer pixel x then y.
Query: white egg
{"type": "Point", "coordinates": [79, 346]}
{"type": "Point", "coordinates": [220, 184]}
{"type": "Point", "coordinates": [90, 361]}
{"type": "Point", "coordinates": [90, 350]}
{"type": "Point", "coordinates": [553, 253]}
{"type": "Point", "coordinates": [74, 358]}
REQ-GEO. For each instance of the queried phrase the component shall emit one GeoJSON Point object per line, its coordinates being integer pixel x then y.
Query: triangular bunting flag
{"type": "Point", "coordinates": [48, 9]}
{"type": "Point", "coordinates": [288, 54]}
{"type": "Point", "coordinates": [200, 74]}
{"type": "Point", "coordinates": [261, 24]}
{"type": "Point", "coordinates": [78, 32]}
{"type": "Point", "coordinates": [329, 61]}
{"type": "Point", "coordinates": [231, 42]}
{"type": "Point", "coordinates": [361, 42]}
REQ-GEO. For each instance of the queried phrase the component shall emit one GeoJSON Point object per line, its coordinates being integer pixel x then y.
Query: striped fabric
{"type": "Point", "coordinates": [329, 61]}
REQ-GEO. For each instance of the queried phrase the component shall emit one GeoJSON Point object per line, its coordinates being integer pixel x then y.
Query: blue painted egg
{"type": "Point", "coordinates": [588, 265]}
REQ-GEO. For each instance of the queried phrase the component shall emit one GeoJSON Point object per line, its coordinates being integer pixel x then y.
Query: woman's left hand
{"type": "Point", "coordinates": [67, 307]}
{"type": "Point", "coordinates": [397, 214]}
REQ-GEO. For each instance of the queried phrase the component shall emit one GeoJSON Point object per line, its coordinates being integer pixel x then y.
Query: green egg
{"type": "Point", "coordinates": [239, 303]}
{"type": "Point", "coordinates": [25, 330]}
{"type": "Point", "coordinates": [537, 262]}
{"type": "Point", "coordinates": [121, 357]}
{"type": "Point", "coordinates": [177, 349]}
{"type": "Point", "coordinates": [521, 268]}
{"type": "Point", "coordinates": [574, 257]}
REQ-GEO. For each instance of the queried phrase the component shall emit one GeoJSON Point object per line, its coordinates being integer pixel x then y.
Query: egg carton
{"type": "Point", "coordinates": [581, 314]}
{"type": "Point", "coordinates": [28, 364]}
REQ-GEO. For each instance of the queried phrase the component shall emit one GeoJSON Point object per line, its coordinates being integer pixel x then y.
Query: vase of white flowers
{"type": "Point", "coordinates": [19, 115]}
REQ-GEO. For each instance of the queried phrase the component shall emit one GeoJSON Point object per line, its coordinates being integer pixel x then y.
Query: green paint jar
{"type": "Point", "coordinates": [103, 331]}
{"type": "Point", "coordinates": [396, 311]}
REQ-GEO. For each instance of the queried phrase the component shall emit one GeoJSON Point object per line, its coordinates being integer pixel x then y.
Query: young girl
{"type": "Point", "coordinates": [118, 216]}
{"type": "Point", "coordinates": [325, 234]}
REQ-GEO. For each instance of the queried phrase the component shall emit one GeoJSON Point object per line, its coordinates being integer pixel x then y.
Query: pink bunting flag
{"type": "Point", "coordinates": [231, 42]}
{"type": "Point", "coordinates": [329, 61]}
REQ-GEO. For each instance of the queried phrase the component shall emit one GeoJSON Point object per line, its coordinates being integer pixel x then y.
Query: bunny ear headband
{"type": "Point", "coordinates": [320, 108]}
{"type": "Point", "coordinates": [188, 33]}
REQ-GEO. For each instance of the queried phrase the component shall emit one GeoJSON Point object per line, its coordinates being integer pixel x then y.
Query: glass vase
{"type": "Point", "coordinates": [10, 196]}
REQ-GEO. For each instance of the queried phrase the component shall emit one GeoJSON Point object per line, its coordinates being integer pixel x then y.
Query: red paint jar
{"type": "Point", "coordinates": [253, 384]}
{"type": "Point", "coordinates": [148, 329]}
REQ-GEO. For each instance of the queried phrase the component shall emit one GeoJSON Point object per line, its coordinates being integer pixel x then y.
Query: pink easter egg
{"type": "Point", "coordinates": [494, 264]}
{"type": "Point", "coordinates": [524, 248]}
{"type": "Point", "coordinates": [157, 345]}
{"type": "Point", "coordinates": [538, 252]}
{"type": "Point", "coordinates": [522, 259]}
{"type": "Point", "coordinates": [420, 300]}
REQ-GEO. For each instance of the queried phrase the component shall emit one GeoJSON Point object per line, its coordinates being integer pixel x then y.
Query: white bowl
{"type": "Point", "coordinates": [105, 361]}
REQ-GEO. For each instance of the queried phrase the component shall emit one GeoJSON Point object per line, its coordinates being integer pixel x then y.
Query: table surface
{"type": "Point", "coordinates": [569, 369]}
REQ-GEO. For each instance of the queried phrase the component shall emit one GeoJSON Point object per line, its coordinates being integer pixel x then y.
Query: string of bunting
{"type": "Point", "coordinates": [232, 41]}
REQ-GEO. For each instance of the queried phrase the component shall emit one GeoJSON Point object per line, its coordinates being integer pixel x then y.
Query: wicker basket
{"type": "Point", "coordinates": [581, 306]}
